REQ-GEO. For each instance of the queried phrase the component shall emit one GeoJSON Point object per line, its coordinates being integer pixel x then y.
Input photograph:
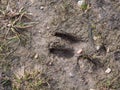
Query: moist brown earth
{"type": "Point", "coordinates": [52, 61]}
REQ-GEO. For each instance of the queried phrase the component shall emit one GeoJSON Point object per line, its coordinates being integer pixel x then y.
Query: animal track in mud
{"type": "Point", "coordinates": [94, 63]}
{"type": "Point", "coordinates": [64, 50]}
{"type": "Point", "coordinates": [67, 36]}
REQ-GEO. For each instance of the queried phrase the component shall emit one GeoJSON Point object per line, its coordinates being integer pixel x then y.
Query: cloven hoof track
{"type": "Point", "coordinates": [95, 61]}
{"type": "Point", "coordinates": [67, 36]}
{"type": "Point", "coordinates": [62, 52]}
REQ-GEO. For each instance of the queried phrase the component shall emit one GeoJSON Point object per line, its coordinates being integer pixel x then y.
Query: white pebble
{"type": "Point", "coordinates": [36, 56]}
{"type": "Point", "coordinates": [30, 13]}
{"type": "Point", "coordinates": [79, 51]}
{"type": "Point", "coordinates": [48, 28]}
{"type": "Point", "coordinates": [97, 47]}
{"type": "Point", "coordinates": [9, 25]}
{"type": "Point", "coordinates": [108, 50]}
{"type": "Point", "coordinates": [71, 74]}
{"type": "Point", "coordinates": [41, 7]}
{"type": "Point", "coordinates": [95, 38]}
{"type": "Point", "coordinates": [108, 70]}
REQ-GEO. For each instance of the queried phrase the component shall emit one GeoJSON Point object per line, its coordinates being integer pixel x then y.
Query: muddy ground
{"type": "Point", "coordinates": [61, 52]}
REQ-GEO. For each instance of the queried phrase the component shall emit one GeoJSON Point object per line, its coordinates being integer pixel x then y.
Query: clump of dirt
{"type": "Point", "coordinates": [69, 49]}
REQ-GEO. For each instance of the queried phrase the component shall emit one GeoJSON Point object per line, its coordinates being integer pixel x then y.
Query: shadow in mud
{"type": "Point", "coordinates": [62, 52]}
{"type": "Point", "coordinates": [117, 55]}
{"type": "Point", "coordinates": [95, 62]}
{"type": "Point", "coordinates": [67, 36]}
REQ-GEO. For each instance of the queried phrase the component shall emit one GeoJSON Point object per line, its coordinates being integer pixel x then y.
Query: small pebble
{"type": "Point", "coordinates": [97, 47]}
{"type": "Point", "coordinates": [36, 56]}
{"type": "Point", "coordinates": [108, 50]}
{"type": "Point", "coordinates": [95, 38]}
{"type": "Point", "coordinates": [30, 13]}
{"type": "Point", "coordinates": [9, 25]}
{"type": "Point", "coordinates": [79, 51]}
{"type": "Point", "coordinates": [71, 74]}
{"type": "Point", "coordinates": [48, 28]}
{"type": "Point", "coordinates": [108, 70]}
{"type": "Point", "coordinates": [41, 7]}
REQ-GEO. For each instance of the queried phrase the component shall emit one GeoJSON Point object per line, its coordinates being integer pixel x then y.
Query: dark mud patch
{"type": "Point", "coordinates": [117, 55]}
{"type": "Point", "coordinates": [62, 52]}
{"type": "Point", "coordinates": [67, 36]}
